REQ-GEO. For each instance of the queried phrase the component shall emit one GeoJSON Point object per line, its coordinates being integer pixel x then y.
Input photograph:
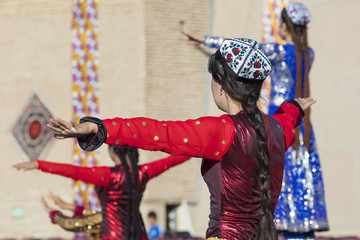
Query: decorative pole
{"type": "Point", "coordinates": [270, 34]}
{"type": "Point", "coordinates": [85, 87]}
{"type": "Point", "coordinates": [271, 20]}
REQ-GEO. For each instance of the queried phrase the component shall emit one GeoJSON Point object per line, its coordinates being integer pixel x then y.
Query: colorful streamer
{"type": "Point", "coordinates": [85, 87]}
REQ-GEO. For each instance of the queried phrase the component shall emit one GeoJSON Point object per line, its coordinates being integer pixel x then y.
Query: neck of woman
{"type": "Point", "coordinates": [233, 107]}
{"type": "Point", "coordinates": [288, 39]}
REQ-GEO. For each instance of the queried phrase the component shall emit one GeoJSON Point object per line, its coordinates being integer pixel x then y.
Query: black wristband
{"type": "Point", "coordinates": [292, 101]}
{"type": "Point", "coordinates": [93, 141]}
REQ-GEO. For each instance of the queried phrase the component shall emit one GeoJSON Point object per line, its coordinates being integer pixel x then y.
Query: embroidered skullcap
{"type": "Point", "coordinates": [245, 58]}
{"type": "Point", "coordinates": [298, 13]}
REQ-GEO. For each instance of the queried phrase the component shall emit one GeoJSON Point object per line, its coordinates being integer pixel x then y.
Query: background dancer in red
{"type": "Point", "coordinates": [243, 151]}
{"type": "Point", "coordinates": [119, 188]}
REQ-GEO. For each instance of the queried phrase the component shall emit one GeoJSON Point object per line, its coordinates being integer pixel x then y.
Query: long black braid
{"type": "Point", "coordinates": [247, 94]}
{"type": "Point", "coordinates": [136, 227]}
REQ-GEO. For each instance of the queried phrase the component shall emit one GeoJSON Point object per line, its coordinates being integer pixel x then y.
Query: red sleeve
{"type": "Point", "coordinates": [155, 168]}
{"type": "Point", "coordinates": [289, 115]}
{"type": "Point", "coordinates": [206, 137]}
{"type": "Point", "coordinates": [100, 176]}
{"type": "Point", "coordinates": [52, 215]}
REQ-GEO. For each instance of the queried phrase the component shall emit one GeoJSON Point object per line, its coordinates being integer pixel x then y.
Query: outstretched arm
{"type": "Point", "coordinates": [208, 41]}
{"type": "Point", "coordinates": [156, 168]}
{"type": "Point", "coordinates": [99, 176]}
{"type": "Point", "coordinates": [290, 114]}
{"type": "Point", "coordinates": [207, 137]}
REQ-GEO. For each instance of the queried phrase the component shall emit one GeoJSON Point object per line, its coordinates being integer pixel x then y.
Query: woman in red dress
{"type": "Point", "coordinates": [120, 188]}
{"type": "Point", "coordinates": [243, 152]}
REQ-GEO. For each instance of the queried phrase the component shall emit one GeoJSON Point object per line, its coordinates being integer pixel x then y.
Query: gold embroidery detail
{"type": "Point", "coordinates": [117, 142]}
{"type": "Point", "coordinates": [164, 124]}
{"type": "Point", "coordinates": [128, 124]}
{"type": "Point", "coordinates": [156, 138]}
{"type": "Point", "coordinates": [224, 121]}
{"type": "Point", "coordinates": [134, 136]}
{"type": "Point", "coordinates": [198, 122]}
{"type": "Point", "coordinates": [186, 140]}
{"type": "Point", "coordinates": [173, 154]}
{"type": "Point", "coordinates": [144, 124]}
{"type": "Point", "coordinates": [107, 135]}
{"type": "Point", "coordinates": [217, 153]}
{"type": "Point", "coordinates": [200, 156]}
{"type": "Point", "coordinates": [114, 123]}
{"type": "Point", "coordinates": [223, 141]}
{"type": "Point", "coordinates": [293, 130]}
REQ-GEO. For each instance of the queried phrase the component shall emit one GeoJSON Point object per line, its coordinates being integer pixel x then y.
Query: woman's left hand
{"type": "Point", "coordinates": [26, 166]}
{"type": "Point", "coordinates": [71, 129]}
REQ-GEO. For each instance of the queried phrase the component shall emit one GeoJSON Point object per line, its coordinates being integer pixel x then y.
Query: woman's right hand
{"type": "Point", "coordinates": [71, 129]}
{"type": "Point", "coordinates": [26, 166]}
{"type": "Point", "coordinates": [305, 103]}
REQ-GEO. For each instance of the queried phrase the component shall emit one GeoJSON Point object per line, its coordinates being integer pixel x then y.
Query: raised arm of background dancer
{"type": "Point", "coordinates": [100, 176]}
{"type": "Point", "coordinates": [208, 41]}
{"type": "Point", "coordinates": [273, 51]}
{"type": "Point", "coordinates": [289, 115]}
{"type": "Point", "coordinates": [207, 137]}
{"type": "Point", "coordinates": [156, 168]}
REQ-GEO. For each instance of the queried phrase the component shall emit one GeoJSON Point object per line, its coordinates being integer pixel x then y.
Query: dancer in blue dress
{"type": "Point", "coordinates": [301, 208]}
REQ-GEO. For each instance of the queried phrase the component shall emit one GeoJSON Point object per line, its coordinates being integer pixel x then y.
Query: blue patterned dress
{"type": "Point", "coordinates": [301, 207]}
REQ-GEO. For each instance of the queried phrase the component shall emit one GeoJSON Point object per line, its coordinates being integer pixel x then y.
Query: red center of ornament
{"type": "Point", "coordinates": [34, 129]}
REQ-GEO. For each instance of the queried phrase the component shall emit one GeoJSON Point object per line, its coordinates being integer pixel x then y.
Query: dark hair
{"type": "Point", "coordinates": [152, 214]}
{"type": "Point", "coordinates": [299, 37]}
{"type": "Point", "coordinates": [132, 186]}
{"type": "Point", "coordinates": [247, 93]}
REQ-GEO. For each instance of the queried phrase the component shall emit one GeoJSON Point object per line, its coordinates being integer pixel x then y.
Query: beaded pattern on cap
{"type": "Point", "coordinates": [245, 58]}
{"type": "Point", "coordinates": [298, 13]}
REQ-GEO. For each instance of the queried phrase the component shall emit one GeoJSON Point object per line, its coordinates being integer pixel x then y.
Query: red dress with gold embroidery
{"type": "Point", "coordinates": [228, 146]}
{"type": "Point", "coordinates": [112, 194]}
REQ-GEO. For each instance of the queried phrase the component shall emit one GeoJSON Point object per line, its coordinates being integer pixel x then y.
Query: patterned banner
{"type": "Point", "coordinates": [85, 87]}
{"type": "Point", "coordinates": [270, 34]}
{"type": "Point", "coordinates": [271, 20]}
